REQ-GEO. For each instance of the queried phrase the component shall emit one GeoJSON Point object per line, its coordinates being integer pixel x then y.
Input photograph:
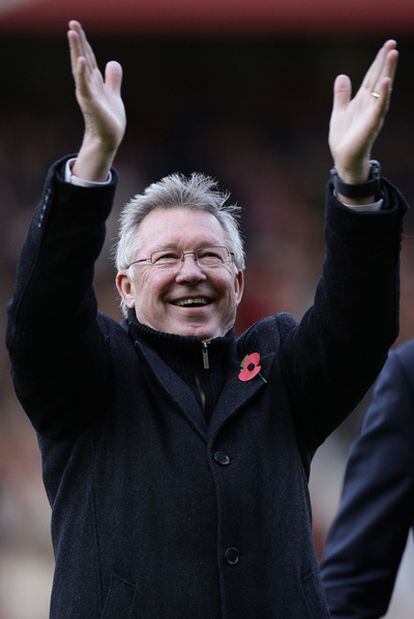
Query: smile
{"type": "Point", "coordinates": [192, 302]}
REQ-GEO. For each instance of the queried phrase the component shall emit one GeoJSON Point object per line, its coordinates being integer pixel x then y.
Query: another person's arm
{"type": "Point", "coordinates": [367, 539]}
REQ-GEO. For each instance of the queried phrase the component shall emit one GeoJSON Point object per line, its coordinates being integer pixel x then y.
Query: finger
{"type": "Point", "coordinates": [74, 25]}
{"type": "Point", "coordinates": [384, 90]}
{"type": "Point", "coordinates": [81, 67]}
{"type": "Point", "coordinates": [88, 51]}
{"type": "Point", "coordinates": [374, 72]}
{"type": "Point", "coordinates": [378, 67]}
{"type": "Point", "coordinates": [82, 82]}
{"type": "Point", "coordinates": [83, 47]}
{"type": "Point", "coordinates": [379, 107]}
{"type": "Point", "coordinates": [75, 31]}
{"type": "Point", "coordinates": [113, 76]}
{"type": "Point", "coordinates": [76, 44]}
{"type": "Point", "coordinates": [74, 49]}
{"type": "Point", "coordinates": [342, 92]}
{"type": "Point", "coordinates": [390, 65]}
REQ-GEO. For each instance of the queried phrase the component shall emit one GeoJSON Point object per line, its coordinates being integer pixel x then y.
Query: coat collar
{"type": "Point", "coordinates": [184, 353]}
{"type": "Point", "coordinates": [234, 395]}
{"type": "Point", "coordinates": [176, 388]}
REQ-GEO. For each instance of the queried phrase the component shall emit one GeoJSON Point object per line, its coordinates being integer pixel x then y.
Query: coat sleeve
{"type": "Point", "coordinates": [60, 363]}
{"type": "Point", "coordinates": [367, 539]}
{"type": "Point", "coordinates": [334, 354]}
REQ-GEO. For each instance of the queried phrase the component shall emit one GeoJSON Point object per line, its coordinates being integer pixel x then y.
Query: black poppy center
{"type": "Point", "coordinates": [251, 366]}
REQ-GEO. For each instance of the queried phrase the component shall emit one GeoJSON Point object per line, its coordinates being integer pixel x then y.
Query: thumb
{"type": "Point", "coordinates": [342, 92]}
{"type": "Point", "coordinates": [113, 76]}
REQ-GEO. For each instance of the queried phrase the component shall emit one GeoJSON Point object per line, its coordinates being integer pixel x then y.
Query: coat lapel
{"type": "Point", "coordinates": [176, 388]}
{"type": "Point", "coordinates": [236, 394]}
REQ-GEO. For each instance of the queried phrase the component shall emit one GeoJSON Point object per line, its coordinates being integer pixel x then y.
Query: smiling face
{"type": "Point", "coordinates": [188, 300]}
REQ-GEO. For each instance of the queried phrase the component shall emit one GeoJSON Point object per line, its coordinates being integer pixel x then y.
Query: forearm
{"type": "Point", "coordinates": [57, 350]}
{"type": "Point", "coordinates": [344, 338]}
{"type": "Point", "coordinates": [65, 238]}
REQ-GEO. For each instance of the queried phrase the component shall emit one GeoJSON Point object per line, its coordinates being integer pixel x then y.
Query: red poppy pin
{"type": "Point", "coordinates": [250, 367]}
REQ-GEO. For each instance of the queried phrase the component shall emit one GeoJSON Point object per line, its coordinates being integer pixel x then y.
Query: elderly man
{"type": "Point", "coordinates": [175, 456]}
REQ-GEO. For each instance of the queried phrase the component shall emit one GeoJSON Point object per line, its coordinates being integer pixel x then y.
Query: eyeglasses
{"type": "Point", "coordinates": [207, 257]}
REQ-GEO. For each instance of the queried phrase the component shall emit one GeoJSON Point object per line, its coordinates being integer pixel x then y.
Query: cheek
{"type": "Point", "coordinates": [149, 285]}
{"type": "Point", "coordinates": [225, 285]}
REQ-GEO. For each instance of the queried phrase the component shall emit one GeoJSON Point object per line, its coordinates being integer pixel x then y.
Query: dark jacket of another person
{"type": "Point", "coordinates": [155, 512]}
{"type": "Point", "coordinates": [368, 537]}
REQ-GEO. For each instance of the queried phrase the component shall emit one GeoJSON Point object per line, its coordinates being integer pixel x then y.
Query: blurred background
{"type": "Point", "coordinates": [239, 89]}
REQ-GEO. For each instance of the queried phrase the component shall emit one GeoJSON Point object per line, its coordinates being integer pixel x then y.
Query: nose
{"type": "Point", "coordinates": [189, 270]}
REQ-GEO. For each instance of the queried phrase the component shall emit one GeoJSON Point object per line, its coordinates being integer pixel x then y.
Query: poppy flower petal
{"type": "Point", "coordinates": [246, 374]}
{"type": "Point", "coordinates": [254, 357]}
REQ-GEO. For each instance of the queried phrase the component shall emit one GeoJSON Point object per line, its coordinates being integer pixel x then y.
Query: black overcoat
{"type": "Point", "coordinates": [154, 514]}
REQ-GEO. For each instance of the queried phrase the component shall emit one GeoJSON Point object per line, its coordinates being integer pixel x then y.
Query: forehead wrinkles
{"type": "Point", "coordinates": [178, 227]}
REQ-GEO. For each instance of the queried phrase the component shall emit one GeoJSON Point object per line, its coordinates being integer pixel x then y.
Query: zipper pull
{"type": "Point", "coordinates": [206, 364]}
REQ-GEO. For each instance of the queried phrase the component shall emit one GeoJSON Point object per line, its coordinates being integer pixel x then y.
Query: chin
{"type": "Point", "coordinates": [191, 331]}
{"type": "Point", "coordinates": [187, 329]}
{"type": "Point", "coordinates": [202, 332]}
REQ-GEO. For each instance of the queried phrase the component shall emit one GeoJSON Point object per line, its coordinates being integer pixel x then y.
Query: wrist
{"type": "Point", "coordinates": [94, 160]}
{"type": "Point", "coordinates": [354, 175]}
{"type": "Point", "coordinates": [102, 145]}
{"type": "Point", "coordinates": [362, 192]}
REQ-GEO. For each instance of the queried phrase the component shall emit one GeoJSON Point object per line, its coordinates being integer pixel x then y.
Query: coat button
{"type": "Point", "coordinates": [222, 458]}
{"type": "Point", "coordinates": [232, 556]}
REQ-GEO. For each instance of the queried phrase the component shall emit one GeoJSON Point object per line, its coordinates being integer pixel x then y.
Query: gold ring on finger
{"type": "Point", "coordinates": [375, 94]}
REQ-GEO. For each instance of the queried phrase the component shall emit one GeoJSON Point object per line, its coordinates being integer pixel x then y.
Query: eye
{"type": "Point", "coordinates": [212, 256]}
{"type": "Point", "coordinates": [165, 256]}
{"type": "Point", "coordinates": [209, 253]}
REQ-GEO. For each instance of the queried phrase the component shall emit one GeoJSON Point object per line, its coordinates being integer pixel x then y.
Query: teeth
{"type": "Point", "coordinates": [189, 302]}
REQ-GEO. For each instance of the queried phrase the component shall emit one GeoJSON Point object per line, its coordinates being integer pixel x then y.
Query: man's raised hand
{"type": "Point", "coordinates": [355, 123]}
{"type": "Point", "coordinates": [101, 105]}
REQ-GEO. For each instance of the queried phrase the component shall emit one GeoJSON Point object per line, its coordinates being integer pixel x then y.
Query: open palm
{"type": "Point", "coordinates": [99, 98]}
{"type": "Point", "coordinates": [355, 123]}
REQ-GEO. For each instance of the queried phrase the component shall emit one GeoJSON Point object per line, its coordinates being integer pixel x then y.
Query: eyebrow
{"type": "Point", "coordinates": [195, 247]}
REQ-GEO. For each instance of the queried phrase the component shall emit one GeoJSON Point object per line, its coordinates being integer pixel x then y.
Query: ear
{"type": "Point", "coordinates": [125, 288]}
{"type": "Point", "coordinates": [239, 286]}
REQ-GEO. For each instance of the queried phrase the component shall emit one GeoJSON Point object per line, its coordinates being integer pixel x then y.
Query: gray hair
{"type": "Point", "coordinates": [198, 192]}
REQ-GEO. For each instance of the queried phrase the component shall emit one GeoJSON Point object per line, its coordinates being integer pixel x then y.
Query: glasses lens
{"type": "Point", "coordinates": [206, 257]}
{"type": "Point", "coordinates": [166, 257]}
{"type": "Point", "coordinates": [212, 256]}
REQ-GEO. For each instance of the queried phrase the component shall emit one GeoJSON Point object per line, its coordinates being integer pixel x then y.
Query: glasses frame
{"type": "Point", "coordinates": [230, 257]}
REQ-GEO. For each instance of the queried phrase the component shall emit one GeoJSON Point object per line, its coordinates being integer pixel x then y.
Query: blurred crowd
{"type": "Point", "coordinates": [253, 114]}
